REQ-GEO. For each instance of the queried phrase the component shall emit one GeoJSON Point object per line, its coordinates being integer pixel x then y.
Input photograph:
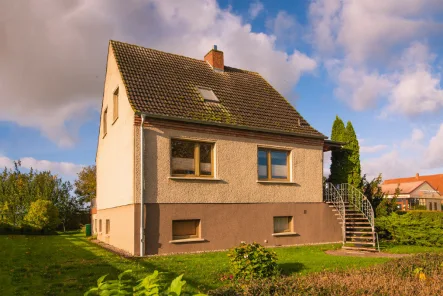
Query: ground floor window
{"type": "Point", "coordinates": [108, 226]}
{"type": "Point", "coordinates": [95, 226]}
{"type": "Point", "coordinates": [282, 224]}
{"type": "Point", "coordinates": [100, 225]}
{"type": "Point", "coordinates": [183, 229]}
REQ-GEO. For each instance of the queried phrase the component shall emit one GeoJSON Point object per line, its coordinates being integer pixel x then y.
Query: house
{"type": "Point", "coordinates": [436, 181]}
{"type": "Point", "coordinates": [215, 155]}
{"type": "Point", "coordinates": [414, 195]}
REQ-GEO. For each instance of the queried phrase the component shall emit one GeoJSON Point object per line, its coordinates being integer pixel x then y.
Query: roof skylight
{"type": "Point", "coordinates": [208, 94]}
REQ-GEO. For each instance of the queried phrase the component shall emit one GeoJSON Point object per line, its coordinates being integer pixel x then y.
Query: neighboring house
{"type": "Point", "coordinates": [436, 181]}
{"type": "Point", "coordinates": [215, 155]}
{"type": "Point", "coordinates": [414, 195]}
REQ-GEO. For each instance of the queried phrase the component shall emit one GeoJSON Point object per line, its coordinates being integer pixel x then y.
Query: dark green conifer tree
{"type": "Point", "coordinates": [338, 157]}
{"type": "Point", "coordinates": [352, 155]}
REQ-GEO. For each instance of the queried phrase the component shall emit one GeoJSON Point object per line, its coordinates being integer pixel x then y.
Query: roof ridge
{"type": "Point", "coordinates": [178, 55]}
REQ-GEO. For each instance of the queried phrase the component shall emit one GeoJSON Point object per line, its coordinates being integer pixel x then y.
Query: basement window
{"type": "Point", "coordinates": [282, 224]}
{"type": "Point", "coordinates": [185, 229]}
{"type": "Point", "coordinates": [208, 95]}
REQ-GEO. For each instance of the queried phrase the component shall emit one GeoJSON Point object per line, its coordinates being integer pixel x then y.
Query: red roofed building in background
{"type": "Point", "coordinates": [416, 191]}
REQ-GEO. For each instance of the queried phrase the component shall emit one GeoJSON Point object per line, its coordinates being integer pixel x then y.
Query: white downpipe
{"type": "Point", "coordinates": [142, 208]}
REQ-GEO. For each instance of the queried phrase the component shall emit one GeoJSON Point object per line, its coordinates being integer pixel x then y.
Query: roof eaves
{"type": "Point", "coordinates": [242, 127]}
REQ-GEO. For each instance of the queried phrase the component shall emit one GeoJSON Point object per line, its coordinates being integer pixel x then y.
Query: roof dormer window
{"type": "Point", "coordinates": [207, 94]}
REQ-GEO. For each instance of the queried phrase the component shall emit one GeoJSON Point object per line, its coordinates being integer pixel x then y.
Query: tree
{"type": "Point", "coordinates": [338, 157]}
{"type": "Point", "coordinates": [42, 215]}
{"type": "Point", "coordinates": [352, 157]}
{"type": "Point", "coordinates": [85, 185]}
{"type": "Point", "coordinates": [388, 205]}
{"type": "Point", "coordinates": [372, 190]}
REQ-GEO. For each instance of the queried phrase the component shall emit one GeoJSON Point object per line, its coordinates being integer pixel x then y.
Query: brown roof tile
{"type": "Point", "coordinates": [164, 84]}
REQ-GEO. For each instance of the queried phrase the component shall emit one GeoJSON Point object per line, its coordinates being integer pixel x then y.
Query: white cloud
{"type": "Point", "coordinates": [372, 149]}
{"type": "Point", "coordinates": [414, 154]}
{"type": "Point", "coordinates": [284, 27]}
{"type": "Point", "coordinates": [255, 8]}
{"type": "Point", "coordinates": [391, 164]}
{"type": "Point", "coordinates": [59, 168]}
{"type": "Point", "coordinates": [364, 38]}
{"type": "Point", "coordinates": [434, 152]}
{"type": "Point", "coordinates": [51, 76]}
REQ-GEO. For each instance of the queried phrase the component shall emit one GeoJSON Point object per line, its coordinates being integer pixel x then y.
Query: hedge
{"type": "Point", "coordinates": [422, 228]}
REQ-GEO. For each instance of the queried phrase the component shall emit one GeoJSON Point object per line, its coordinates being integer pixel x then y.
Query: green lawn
{"type": "Point", "coordinates": [69, 264]}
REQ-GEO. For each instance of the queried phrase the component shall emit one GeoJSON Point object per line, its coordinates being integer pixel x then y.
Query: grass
{"type": "Point", "coordinates": [68, 264]}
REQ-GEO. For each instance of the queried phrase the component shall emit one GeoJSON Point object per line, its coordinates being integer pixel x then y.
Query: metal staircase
{"type": "Point", "coordinates": [357, 216]}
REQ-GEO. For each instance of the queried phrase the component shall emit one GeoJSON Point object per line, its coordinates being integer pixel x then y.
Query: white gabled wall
{"type": "Point", "coordinates": [115, 151]}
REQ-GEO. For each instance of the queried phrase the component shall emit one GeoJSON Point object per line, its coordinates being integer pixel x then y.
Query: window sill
{"type": "Point", "coordinates": [285, 234]}
{"type": "Point", "coordinates": [276, 182]}
{"type": "Point", "coordinates": [194, 178]}
{"type": "Point", "coordinates": [187, 240]}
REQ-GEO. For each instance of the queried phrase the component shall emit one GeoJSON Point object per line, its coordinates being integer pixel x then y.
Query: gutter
{"type": "Point", "coordinates": [142, 204]}
{"type": "Point", "coordinates": [242, 127]}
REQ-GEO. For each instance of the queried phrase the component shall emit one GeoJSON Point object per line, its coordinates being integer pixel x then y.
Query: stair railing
{"type": "Point", "coordinates": [332, 195]}
{"type": "Point", "coordinates": [358, 200]}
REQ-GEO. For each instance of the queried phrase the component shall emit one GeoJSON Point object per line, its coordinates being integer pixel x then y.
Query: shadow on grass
{"type": "Point", "coordinates": [293, 267]}
{"type": "Point", "coordinates": [140, 266]}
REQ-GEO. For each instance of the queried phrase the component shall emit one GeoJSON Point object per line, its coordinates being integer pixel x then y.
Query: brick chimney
{"type": "Point", "coordinates": [416, 176]}
{"type": "Point", "coordinates": [215, 58]}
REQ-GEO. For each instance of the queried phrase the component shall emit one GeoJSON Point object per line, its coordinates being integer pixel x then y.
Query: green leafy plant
{"type": "Point", "coordinates": [250, 261]}
{"type": "Point", "coordinates": [150, 285]}
{"type": "Point", "coordinates": [421, 228]}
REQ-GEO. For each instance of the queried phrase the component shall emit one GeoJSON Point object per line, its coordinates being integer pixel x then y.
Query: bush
{"type": "Point", "coordinates": [42, 215]}
{"type": "Point", "coordinates": [422, 228]}
{"type": "Point", "coordinates": [386, 207]}
{"type": "Point", "coordinates": [414, 275]}
{"type": "Point", "coordinates": [250, 261]}
{"type": "Point", "coordinates": [150, 285]}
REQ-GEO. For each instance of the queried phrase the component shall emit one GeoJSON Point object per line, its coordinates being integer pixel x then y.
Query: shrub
{"type": "Point", "coordinates": [250, 261]}
{"type": "Point", "coordinates": [150, 285]}
{"type": "Point", "coordinates": [414, 275]}
{"type": "Point", "coordinates": [423, 228]}
{"type": "Point", "coordinates": [42, 215]}
{"type": "Point", "coordinates": [386, 207]}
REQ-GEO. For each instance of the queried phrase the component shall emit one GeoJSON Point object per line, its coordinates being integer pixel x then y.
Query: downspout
{"type": "Point", "coordinates": [142, 204]}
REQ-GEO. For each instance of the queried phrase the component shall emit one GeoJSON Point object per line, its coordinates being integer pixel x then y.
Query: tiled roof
{"type": "Point", "coordinates": [436, 181]}
{"type": "Point", "coordinates": [405, 188]}
{"type": "Point", "coordinates": [164, 84]}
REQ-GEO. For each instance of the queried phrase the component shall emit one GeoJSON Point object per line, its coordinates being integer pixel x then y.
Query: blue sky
{"type": "Point", "coordinates": [375, 63]}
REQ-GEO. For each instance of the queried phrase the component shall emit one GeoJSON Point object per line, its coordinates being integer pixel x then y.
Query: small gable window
{"type": "Point", "coordinates": [208, 95]}
{"type": "Point", "coordinates": [105, 122]}
{"type": "Point", "coordinates": [115, 105]}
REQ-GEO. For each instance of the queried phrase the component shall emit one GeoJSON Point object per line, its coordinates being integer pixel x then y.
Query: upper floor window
{"type": "Point", "coordinates": [105, 122]}
{"type": "Point", "coordinates": [273, 164]}
{"type": "Point", "coordinates": [115, 105]}
{"type": "Point", "coordinates": [193, 159]}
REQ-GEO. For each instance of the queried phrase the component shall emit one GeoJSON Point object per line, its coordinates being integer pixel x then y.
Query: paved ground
{"type": "Point", "coordinates": [342, 252]}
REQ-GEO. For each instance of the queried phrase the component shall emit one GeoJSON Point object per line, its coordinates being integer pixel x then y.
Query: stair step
{"type": "Point", "coordinates": [364, 244]}
{"type": "Point", "coordinates": [359, 227]}
{"type": "Point", "coordinates": [360, 249]}
{"type": "Point", "coordinates": [360, 232]}
{"type": "Point", "coordinates": [365, 219]}
{"type": "Point", "coordinates": [358, 238]}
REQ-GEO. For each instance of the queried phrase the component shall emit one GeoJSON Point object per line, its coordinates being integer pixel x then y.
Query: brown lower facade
{"type": "Point", "coordinates": [222, 226]}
